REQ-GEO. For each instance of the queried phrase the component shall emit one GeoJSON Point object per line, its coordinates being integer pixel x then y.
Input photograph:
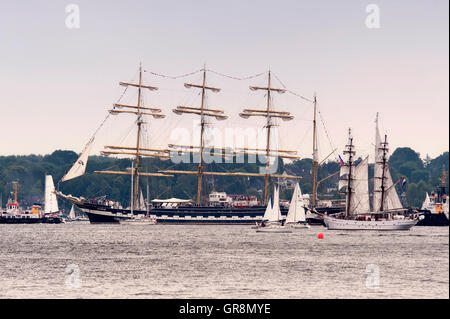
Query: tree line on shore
{"type": "Point", "coordinates": [29, 171]}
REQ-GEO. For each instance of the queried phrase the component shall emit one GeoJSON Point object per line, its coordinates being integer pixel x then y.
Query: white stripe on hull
{"type": "Point", "coordinates": [345, 224]}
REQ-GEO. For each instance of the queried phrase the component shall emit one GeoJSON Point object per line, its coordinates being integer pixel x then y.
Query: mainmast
{"type": "Point", "coordinates": [268, 113]}
{"type": "Point", "coordinates": [137, 151]}
{"type": "Point", "coordinates": [384, 162]}
{"type": "Point", "coordinates": [203, 113]}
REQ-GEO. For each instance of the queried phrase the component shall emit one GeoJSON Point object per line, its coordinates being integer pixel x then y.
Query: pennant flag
{"type": "Point", "coordinates": [340, 159]}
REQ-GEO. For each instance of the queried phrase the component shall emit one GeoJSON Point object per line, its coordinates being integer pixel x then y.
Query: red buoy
{"type": "Point", "coordinates": [320, 236]}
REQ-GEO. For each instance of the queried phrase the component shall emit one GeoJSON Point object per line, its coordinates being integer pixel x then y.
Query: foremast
{"type": "Point", "coordinates": [139, 110]}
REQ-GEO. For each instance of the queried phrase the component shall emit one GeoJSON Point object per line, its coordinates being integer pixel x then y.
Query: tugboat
{"type": "Point", "coordinates": [14, 214]}
{"type": "Point", "coordinates": [435, 206]}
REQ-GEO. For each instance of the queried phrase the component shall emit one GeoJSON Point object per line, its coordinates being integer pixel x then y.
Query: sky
{"type": "Point", "coordinates": [58, 81]}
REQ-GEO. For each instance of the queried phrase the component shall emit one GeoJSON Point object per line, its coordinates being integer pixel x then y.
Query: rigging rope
{"type": "Point", "coordinates": [173, 77]}
{"type": "Point", "coordinates": [328, 136]}
{"type": "Point", "coordinates": [237, 78]}
{"type": "Point", "coordinates": [289, 91]}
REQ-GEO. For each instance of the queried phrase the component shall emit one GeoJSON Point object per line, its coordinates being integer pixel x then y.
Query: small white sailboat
{"type": "Point", "coordinates": [51, 209]}
{"type": "Point", "coordinates": [296, 217]}
{"type": "Point", "coordinates": [272, 221]}
{"type": "Point", "coordinates": [72, 213]}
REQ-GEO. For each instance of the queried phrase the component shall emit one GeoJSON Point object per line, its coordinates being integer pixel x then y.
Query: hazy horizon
{"type": "Point", "coordinates": [58, 82]}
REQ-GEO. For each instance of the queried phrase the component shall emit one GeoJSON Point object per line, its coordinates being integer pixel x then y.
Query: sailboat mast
{"type": "Point", "coordinates": [269, 125]}
{"type": "Point", "coordinates": [139, 123]}
{"type": "Point", "coordinates": [383, 177]}
{"type": "Point", "coordinates": [315, 162]}
{"type": "Point", "coordinates": [350, 153]}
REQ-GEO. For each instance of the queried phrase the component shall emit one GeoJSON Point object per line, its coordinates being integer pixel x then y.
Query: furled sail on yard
{"type": "Point", "coordinates": [79, 167]}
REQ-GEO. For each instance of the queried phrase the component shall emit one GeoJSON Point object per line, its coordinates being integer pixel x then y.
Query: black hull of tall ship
{"type": "Point", "coordinates": [205, 215]}
{"type": "Point", "coordinates": [433, 219]}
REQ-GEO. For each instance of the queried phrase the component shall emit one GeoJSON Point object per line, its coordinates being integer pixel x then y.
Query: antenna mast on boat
{"type": "Point", "coordinates": [137, 151]}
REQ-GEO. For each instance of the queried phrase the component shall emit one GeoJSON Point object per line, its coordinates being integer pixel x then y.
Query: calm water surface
{"type": "Point", "coordinates": [80, 260]}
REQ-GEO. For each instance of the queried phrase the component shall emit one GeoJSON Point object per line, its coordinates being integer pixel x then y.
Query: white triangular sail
{"type": "Point", "coordinates": [141, 201]}
{"type": "Point", "coordinates": [79, 167]}
{"type": "Point", "coordinates": [276, 212]}
{"type": "Point", "coordinates": [378, 170]}
{"type": "Point", "coordinates": [72, 213]}
{"type": "Point", "coordinates": [296, 211]}
{"type": "Point", "coordinates": [51, 202]}
{"type": "Point", "coordinates": [426, 202]}
{"type": "Point", "coordinates": [268, 211]}
{"type": "Point", "coordinates": [360, 202]}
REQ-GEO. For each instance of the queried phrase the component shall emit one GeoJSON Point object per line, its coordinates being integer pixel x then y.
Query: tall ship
{"type": "Point", "coordinates": [387, 212]}
{"type": "Point", "coordinates": [240, 210]}
{"type": "Point", "coordinates": [15, 214]}
{"type": "Point", "coordinates": [435, 206]}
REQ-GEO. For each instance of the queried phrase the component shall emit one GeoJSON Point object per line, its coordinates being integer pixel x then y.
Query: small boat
{"type": "Point", "coordinates": [296, 217]}
{"type": "Point", "coordinates": [435, 206]}
{"type": "Point", "coordinates": [14, 214]}
{"type": "Point", "coordinates": [272, 221]}
{"type": "Point", "coordinates": [140, 220]}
